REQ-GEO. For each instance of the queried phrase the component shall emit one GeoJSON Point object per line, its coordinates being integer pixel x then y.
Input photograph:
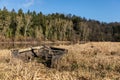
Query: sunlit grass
{"type": "Point", "coordinates": [90, 61]}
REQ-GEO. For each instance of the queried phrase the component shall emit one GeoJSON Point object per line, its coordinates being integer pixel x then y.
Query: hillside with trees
{"type": "Point", "coordinates": [33, 26]}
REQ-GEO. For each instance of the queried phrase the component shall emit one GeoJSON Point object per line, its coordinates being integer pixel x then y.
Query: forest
{"type": "Point", "coordinates": [34, 26]}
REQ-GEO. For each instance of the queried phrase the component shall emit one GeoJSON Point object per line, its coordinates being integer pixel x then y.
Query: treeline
{"type": "Point", "coordinates": [29, 26]}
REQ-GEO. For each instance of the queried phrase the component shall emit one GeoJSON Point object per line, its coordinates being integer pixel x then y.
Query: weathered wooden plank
{"type": "Point", "coordinates": [29, 49]}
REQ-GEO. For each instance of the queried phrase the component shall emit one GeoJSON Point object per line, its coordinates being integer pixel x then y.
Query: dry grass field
{"type": "Point", "coordinates": [90, 61]}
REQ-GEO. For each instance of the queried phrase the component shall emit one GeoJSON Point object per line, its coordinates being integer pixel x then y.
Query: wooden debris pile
{"type": "Point", "coordinates": [44, 54]}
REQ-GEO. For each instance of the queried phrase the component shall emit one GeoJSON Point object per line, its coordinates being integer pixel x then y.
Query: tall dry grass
{"type": "Point", "coordinates": [90, 61]}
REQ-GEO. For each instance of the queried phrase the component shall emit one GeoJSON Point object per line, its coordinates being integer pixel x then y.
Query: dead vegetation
{"type": "Point", "coordinates": [90, 61]}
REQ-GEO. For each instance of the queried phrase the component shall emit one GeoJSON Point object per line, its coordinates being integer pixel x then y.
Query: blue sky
{"type": "Point", "coordinates": [102, 10]}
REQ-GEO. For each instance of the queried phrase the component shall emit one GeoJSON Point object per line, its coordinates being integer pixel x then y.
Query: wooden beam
{"type": "Point", "coordinates": [29, 49]}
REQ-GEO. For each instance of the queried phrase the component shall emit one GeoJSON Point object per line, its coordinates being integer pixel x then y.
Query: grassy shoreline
{"type": "Point", "coordinates": [17, 42]}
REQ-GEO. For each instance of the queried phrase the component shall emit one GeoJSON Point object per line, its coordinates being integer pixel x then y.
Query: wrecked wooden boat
{"type": "Point", "coordinates": [44, 54]}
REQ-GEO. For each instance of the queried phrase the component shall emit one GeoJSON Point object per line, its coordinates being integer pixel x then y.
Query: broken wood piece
{"type": "Point", "coordinates": [29, 49]}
